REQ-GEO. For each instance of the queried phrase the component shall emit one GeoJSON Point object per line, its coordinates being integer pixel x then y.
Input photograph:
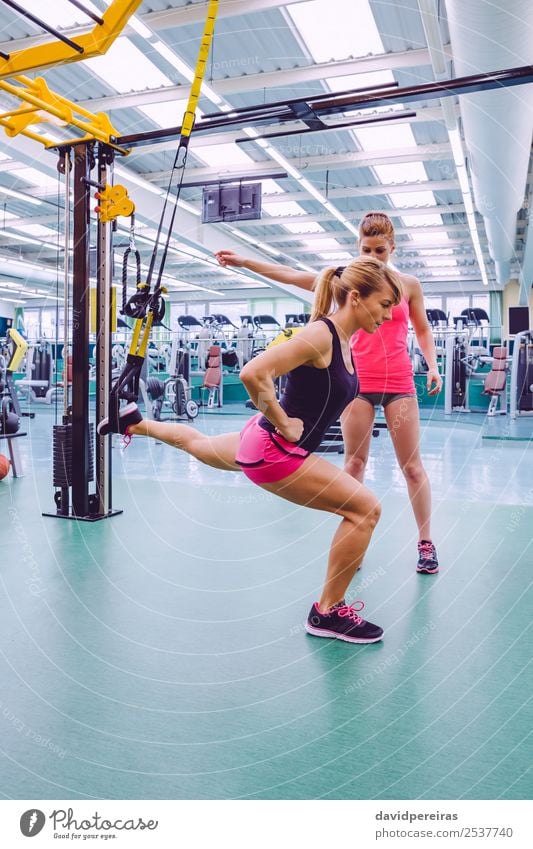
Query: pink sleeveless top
{"type": "Point", "coordinates": [381, 358]}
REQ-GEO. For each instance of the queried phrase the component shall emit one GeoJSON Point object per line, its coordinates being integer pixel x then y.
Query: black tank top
{"type": "Point", "coordinates": [317, 395]}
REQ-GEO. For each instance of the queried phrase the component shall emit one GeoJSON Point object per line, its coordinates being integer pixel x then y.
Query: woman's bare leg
{"type": "Point", "coordinates": [403, 422]}
{"type": "Point", "coordinates": [356, 422]}
{"type": "Point", "coordinates": [323, 486]}
{"type": "Point", "coordinates": [216, 451]}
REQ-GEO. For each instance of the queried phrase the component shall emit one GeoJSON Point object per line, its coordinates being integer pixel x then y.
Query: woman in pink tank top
{"type": "Point", "coordinates": [385, 376]}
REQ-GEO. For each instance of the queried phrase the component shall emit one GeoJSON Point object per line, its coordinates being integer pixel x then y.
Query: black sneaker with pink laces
{"type": "Point", "coordinates": [342, 622]}
{"type": "Point", "coordinates": [427, 558]}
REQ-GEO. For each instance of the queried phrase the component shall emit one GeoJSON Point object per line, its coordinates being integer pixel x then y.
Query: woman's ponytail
{"type": "Point", "coordinates": [325, 300]}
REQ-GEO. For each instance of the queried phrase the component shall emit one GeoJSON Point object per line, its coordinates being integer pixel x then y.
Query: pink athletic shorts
{"type": "Point", "coordinates": [267, 457]}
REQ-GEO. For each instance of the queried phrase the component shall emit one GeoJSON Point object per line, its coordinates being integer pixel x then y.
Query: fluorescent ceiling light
{"type": "Point", "coordinates": [264, 247]}
{"type": "Point", "coordinates": [126, 174]}
{"type": "Point", "coordinates": [336, 29]}
{"type": "Point", "coordinates": [280, 159]}
{"type": "Point", "coordinates": [185, 70]}
{"type": "Point", "coordinates": [126, 68]}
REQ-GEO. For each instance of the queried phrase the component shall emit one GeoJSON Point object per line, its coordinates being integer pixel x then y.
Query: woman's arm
{"type": "Point", "coordinates": [280, 273]}
{"type": "Point", "coordinates": [424, 336]}
{"type": "Point", "coordinates": [312, 346]}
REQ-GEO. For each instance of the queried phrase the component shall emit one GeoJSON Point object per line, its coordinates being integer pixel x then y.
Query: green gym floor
{"type": "Point", "coordinates": [161, 654]}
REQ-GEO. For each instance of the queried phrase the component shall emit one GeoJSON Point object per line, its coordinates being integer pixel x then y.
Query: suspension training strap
{"type": "Point", "coordinates": [186, 130]}
{"type": "Point", "coordinates": [127, 385]}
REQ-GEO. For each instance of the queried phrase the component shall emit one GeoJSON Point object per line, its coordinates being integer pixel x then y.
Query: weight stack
{"type": "Point", "coordinates": [333, 441]}
{"type": "Point", "coordinates": [62, 455]}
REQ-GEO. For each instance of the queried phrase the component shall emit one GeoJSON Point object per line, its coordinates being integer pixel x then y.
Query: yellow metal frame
{"type": "Point", "coordinates": [112, 202]}
{"type": "Point", "coordinates": [21, 346]}
{"type": "Point", "coordinates": [94, 43]}
{"type": "Point", "coordinates": [45, 106]}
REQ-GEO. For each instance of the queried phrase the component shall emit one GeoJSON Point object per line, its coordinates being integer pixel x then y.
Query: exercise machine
{"type": "Point", "coordinates": [521, 391]}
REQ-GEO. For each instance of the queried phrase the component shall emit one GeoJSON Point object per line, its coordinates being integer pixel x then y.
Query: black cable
{"type": "Point", "coordinates": [35, 20]}
{"type": "Point", "coordinates": [87, 12]}
{"type": "Point", "coordinates": [56, 405]}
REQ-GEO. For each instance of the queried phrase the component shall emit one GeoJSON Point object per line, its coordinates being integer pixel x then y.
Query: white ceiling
{"type": "Point", "coordinates": [266, 51]}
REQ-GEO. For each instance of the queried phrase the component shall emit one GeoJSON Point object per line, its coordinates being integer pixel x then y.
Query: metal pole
{"type": "Point", "coordinates": [66, 283]}
{"type": "Point", "coordinates": [83, 158]}
{"type": "Point", "coordinates": [103, 338]}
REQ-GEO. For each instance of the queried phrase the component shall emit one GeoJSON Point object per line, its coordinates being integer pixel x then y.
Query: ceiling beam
{"type": "Point", "coordinates": [354, 159]}
{"type": "Point", "coordinates": [392, 212]}
{"type": "Point", "coordinates": [434, 186]}
{"type": "Point", "coordinates": [284, 78]}
{"type": "Point", "coordinates": [407, 231]}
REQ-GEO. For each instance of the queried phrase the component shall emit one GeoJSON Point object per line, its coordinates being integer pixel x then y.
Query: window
{"type": "Point", "coordinates": [32, 323]}
{"type": "Point", "coordinates": [232, 311]}
{"type": "Point", "coordinates": [432, 302]}
{"type": "Point", "coordinates": [455, 305]}
{"type": "Point", "coordinates": [481, 302]}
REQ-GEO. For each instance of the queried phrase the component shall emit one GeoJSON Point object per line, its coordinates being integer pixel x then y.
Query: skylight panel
{"type": "Point", "coordinates": [335, 29]}
{"type": "Point", "coordinates": [290, 207]}
{"type": "Point", "coordinates": [270, 187]}
{"type": "Point", "coordinates": [423, 252]}
{"type": "Point", "coordinates": [304, 227]}
{"type": "Point", "coordinates": [327, 244]}
{"type": "Point", "coordinates": [422, 220]}
{"type": "Point", "coordinates": [351, 81]}
{"type": "Point", "coordinates": [168, 114]}
{"type": "Point", "coordinates": [407, 172]}
{"type": "Point", "coordinates": [400, 199]}
{"type": "Point", "coordinates": [359, 81]}
{"type": "Point", "coordinates": [60, 13]}
{"type": "Point", "coordinates": [427, 238]}
{"type": "Point", "coordinates": [35, 178]}
{"type": "Point", "coordinates": [285, 207]}
{"type": "Point", "coordinates": [125, 68]}
{"type": "Point", "coordinates": [337, 256]}
{"type": "Point", "coordinates": [386, 138]}
{"type": "Point", "coordinates": [217, 155]}
{"type": "Point", "coordinates": [440, 263]}
{"type": "Point", "coordinates": [38, 230]}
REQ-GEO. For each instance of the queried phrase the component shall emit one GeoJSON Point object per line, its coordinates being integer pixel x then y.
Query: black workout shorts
{"type": "Point", "coordinates": [382, 399]}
